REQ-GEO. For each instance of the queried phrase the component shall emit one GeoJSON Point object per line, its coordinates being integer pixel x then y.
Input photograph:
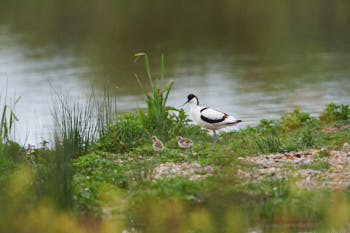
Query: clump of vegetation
{"type": "Point", "coordinates": [307, 137]}
{"type": "Point", "coordinates": [317, 165]}
{"type": "Point", "coordinates": [269, 126]}
{"type": "Point", "coordinates": [294, 120]}
{"type": "Point", "coordinates": [335, 112]}
{"type": "Point", "coordinates": [324, 154]}
{"type": "Point", "coordinates": [12, 154]}
{"type": "Point", "coordinates": [125, 134]}
{"type": "Point", "coordinates": [7, 124]}
{"type": "Point", "coordinates": [157, 120]}
{"type": "Point", "coordinates": [269, 145]}
{"type": "Point", "coordinates": [79, 124]}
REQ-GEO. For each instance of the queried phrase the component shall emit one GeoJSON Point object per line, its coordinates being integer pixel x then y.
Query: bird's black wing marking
{"type": "Point", "coordinates": [212, 116]}
{"type": "Point", "coordinates": [212, 120]}
{"type": "Point", "coordinates": [203, 109]}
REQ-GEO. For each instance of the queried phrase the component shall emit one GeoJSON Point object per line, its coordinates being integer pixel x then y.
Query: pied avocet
{"type": "Point", "coordinates": [209, 118]}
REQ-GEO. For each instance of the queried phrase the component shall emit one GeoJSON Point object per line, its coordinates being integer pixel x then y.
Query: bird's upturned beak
{"type": "Point", "coordinates": [183, 104]}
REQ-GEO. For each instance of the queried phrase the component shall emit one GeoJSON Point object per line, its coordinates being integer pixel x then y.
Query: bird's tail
{"type": "Point", "coordinates": [233, 123]}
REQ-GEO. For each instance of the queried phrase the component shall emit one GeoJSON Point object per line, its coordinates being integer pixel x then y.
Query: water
{"type": "Point", "coordinates": [223, 53]}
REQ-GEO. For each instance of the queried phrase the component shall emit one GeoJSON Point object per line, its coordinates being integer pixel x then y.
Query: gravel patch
{"type": "Point", "coordinates": [302, 166]}
{"type": "Point", "coordinates": [191, 170]}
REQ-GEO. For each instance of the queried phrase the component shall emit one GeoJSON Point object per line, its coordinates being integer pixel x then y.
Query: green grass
{"type": "Point", "coordinates": [269, 145]}
{"type": "Point", "coordinates": [324, 154]}
{"type": "Point", "coordinates": [8, 120]}
{"type": "Point", "coordinates": [317, 165]}
{"type": "Point", "coordinates": [80, 124]}
{"type": "Point", "coordinates": [124, 135]}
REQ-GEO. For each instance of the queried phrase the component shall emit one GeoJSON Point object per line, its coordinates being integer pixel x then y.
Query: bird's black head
{"type": "Point", "coordinates": [192, 99]}
{"type": "Point", "coordinates": [191, 96]}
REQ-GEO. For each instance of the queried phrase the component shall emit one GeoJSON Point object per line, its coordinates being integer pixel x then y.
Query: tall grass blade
{"type": "Point", "coordinates": [162, 68]}
{"type": "Point", "coordinates": [141, 86]}
{"type": "Point", "coordinates": [170, 85]}
{"type": "Point", "coordinates": [3, 125]}
{"type": "Point", "coordinates": [147, 66]}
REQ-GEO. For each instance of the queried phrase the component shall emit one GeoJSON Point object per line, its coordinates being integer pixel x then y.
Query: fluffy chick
{"type": "Point", "coordinates": [157, 144]}
{"type": "Point", "coordinates": [184, 142]}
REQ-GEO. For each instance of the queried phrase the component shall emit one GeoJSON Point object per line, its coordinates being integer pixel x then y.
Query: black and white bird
{"type": "Point", "coordinates": [209, 118]}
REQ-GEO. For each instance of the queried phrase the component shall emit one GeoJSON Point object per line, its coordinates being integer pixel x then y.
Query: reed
{"type": "Point", "coordinates": [78, 124]}
{"type": "Point", "coordinates": [7, 124]}
{"type": "Point", "coordinates": [157, 119]}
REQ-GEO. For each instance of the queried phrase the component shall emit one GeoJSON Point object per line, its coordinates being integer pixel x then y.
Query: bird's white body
{"type": "Point", "coordinates": [209, 118]}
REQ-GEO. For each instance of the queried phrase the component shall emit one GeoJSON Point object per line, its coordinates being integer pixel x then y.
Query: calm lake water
{"type": "Point", "coordinates": [221, 52]}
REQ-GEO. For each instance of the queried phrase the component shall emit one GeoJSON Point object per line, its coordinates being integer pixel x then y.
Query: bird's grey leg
{"type": "Point", "coordinates": [215, 138]}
